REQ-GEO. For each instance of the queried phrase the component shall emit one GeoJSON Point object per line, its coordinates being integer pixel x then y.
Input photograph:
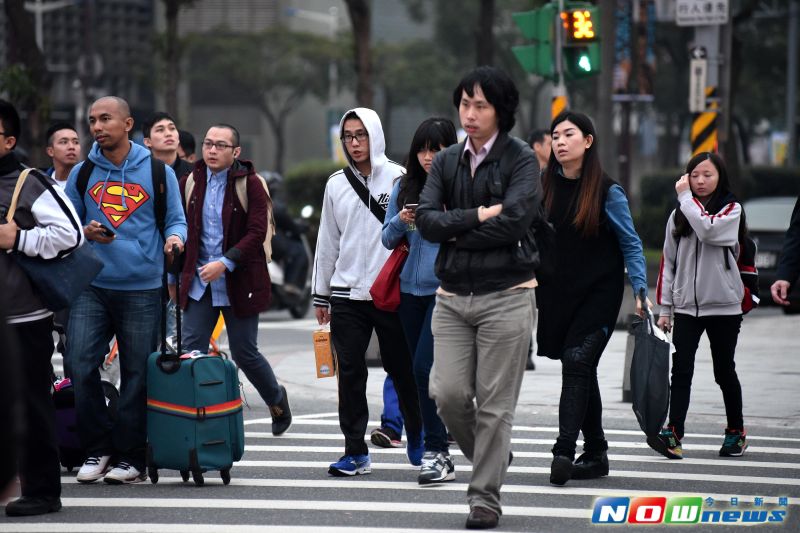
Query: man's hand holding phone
{"type": "Point", "coordinates": [97, 232]}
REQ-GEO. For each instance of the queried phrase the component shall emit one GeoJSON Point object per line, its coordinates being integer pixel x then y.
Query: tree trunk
{"type": "Point", "coordinates": [362, 29]}
{"type": "Point", "coordinates": [484, 41]}
{"type": "Point", "coordinates": [23, 49]}
{"type": "Point", "coordinates": [172, 57]}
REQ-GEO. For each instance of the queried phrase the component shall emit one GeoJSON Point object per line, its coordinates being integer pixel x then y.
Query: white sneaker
{"type": "Point", "coordinates": [93, 468]}
{"type": "Point", "coordinates": [124, 473]}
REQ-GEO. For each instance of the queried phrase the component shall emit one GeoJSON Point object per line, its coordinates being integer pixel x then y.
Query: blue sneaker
{"type": "Point", "coordinates": [415, 448]}
{"type": "Point", "coordinates": [351, 465]}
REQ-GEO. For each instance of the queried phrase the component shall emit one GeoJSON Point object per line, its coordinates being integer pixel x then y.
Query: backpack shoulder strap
{"type": "Point", "coordinates": [158, 173]}
{"type": "Point", "coordinates": [188, 189]}
{"type": "Point", "coordinates": [83, 176]}
{"type": "Point", "coordinates": [240, 185]}
{"type": "Point", "coordinates": [363, 193]}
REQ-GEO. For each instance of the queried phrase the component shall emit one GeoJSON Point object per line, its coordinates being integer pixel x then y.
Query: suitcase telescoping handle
{"type": "Point", "coordinates": [170, 361]}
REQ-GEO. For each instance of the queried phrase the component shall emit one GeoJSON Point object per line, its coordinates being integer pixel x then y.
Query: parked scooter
{"type": "Point", "coordinates": [297, 300]}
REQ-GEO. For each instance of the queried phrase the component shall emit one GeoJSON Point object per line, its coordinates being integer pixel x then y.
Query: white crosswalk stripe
{"type": "Point", "coordinates": [282, 485]}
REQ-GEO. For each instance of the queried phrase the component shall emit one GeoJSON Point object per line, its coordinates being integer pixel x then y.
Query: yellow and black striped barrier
{"type": "Point", "coordinates": [704, 125]}
{"type": "Point", "coordinates": [558, 105]}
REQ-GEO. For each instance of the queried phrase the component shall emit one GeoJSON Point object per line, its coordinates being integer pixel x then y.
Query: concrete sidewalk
{"type": "Point", "coordinates": [767, 357]}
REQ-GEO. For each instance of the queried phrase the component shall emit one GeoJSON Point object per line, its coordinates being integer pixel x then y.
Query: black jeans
{"type": "Point", "coordinates": [39, 467]}
{"type": "Point", "coordinates": [723, 333]}
{"type": "Point", "coordinates": [581, 408]}
{"type": "Point", "coordinates": [352, 323]}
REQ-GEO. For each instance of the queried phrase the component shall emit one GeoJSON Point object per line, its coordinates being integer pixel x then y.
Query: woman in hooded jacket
{"type": "Point", "coordinates": [700, 290]}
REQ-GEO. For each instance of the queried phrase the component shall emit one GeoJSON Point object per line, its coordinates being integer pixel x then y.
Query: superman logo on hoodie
{"type": "Point", "coordinates": [119, 201]}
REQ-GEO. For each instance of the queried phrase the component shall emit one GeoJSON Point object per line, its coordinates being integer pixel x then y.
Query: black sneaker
{"type": "Point", "coordinates": [281, 415]}
{"type": "Point", "coordinates": [735, 443]}
{"type": "Point", "coordinates": [437, 467]}
{"type": "Point", "coordinates": [666, 443]}
{"type": "Point", "coordinates": [590, 465]}
{"type": "Point", "coordinates": [385, 437]}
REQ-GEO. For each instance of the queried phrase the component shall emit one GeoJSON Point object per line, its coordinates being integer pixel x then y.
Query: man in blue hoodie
{"type": "Point", "coordinates": [117, 206]}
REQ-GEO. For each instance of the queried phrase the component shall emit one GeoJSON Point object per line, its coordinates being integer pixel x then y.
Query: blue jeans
{"type": "Point", "coordinates": [95, 317]}
{"type": "Point", "coordinates": [391, 417]}
{"type": "Point", "coordinates": [415, 315]}
{"type": "Point", "coordinates": [198, 323]}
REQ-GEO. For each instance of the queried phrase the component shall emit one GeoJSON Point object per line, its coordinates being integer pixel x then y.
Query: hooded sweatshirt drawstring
{"type": "Point", "coordinates": [105, 184]}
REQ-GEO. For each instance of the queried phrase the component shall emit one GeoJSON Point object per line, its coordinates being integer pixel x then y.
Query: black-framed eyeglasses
{"type": "Point", "coordinates": [3, 133]}
{"type": "Point", "coordinates": [361, 136]}
{"type": "Point", "coordinates": [218, 145]}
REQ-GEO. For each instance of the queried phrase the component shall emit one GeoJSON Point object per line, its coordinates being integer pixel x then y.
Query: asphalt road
{"type": "Point", "coordinates": [282, 485]}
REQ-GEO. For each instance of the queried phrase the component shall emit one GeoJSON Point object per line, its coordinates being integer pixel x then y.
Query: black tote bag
{"type": "Point", "coordinates": [649, 375]}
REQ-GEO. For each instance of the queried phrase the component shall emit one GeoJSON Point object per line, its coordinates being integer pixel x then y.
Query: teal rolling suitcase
{"type": "Point", "coordinates": [194, 413]}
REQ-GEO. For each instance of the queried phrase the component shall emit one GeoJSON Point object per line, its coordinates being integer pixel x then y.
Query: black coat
{"type": "Point", "coordinates": [789, 267]}
{"type": "Point", "coordinates": [474, 257]}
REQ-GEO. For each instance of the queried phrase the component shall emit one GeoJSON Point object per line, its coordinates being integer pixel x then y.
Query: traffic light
{"type": "Point", "coordinates": [581, 50]}
{"type": "Point", "coordinates": [579, 25]}
{"type": "Point", "coordinates": [537, 25]}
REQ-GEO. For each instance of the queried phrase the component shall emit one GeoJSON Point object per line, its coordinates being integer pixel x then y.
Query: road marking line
{"type": "Point", "coordinates": [317, 505]}
{"type": "Point", "coordinates": [361, 483]}
{"type": "Point", "coordinates": [49, 527]}
{"type": "Point", "coordinates": [733, 463]}
{"type": "Point", "coordinates": [313, 420]}
{"type": "Point", "coordinates": [542, 470]}
{"type": "Point", "coordinates": [631, 445]}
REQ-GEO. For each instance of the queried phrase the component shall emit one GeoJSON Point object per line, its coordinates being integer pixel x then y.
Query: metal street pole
{"type": "Point", "coordinates": [791, 83]}
{"type": "Point", "coordinates": [559, 102]}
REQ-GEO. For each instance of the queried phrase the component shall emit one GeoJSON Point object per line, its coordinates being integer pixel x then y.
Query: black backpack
{"type": "Point", "coordinates": [158, 172]}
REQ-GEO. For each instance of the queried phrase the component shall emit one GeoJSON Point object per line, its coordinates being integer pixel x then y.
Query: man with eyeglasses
{"type": "Point", "coordinates": [225, 267]}
{"type": "Point", "coordinates": [349, 257]}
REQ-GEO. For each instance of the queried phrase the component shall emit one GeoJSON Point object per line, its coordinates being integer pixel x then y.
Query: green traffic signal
{"type": "Point", "coordinates": [579, 25]}
{"type": "Point", "coordinates": [539, 26]}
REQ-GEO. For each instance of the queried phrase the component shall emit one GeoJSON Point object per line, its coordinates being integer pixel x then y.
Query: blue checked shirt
{"type": "Point", "coordinates": [211, 240]}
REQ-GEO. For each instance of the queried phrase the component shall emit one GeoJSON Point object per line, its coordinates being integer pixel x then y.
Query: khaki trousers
{"type": "Point", "coordinates": [480, 349]}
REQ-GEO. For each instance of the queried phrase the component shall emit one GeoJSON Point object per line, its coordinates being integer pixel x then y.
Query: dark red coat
{"type": "Point", "coordinates": [249, 287]}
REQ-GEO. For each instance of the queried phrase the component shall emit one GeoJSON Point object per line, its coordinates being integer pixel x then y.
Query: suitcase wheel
{"type": "Point", "coordinates": [152, 472]}
{"type": "Point", "coordinates": [225, 475]}
{"type": "Point", "coordinates": [197, 476]}
{"type": "Point", "coordinates": [185, 475]}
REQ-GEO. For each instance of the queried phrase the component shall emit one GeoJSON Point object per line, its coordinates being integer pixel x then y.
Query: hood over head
{"type": "Point", "coordinates": [377, 142]}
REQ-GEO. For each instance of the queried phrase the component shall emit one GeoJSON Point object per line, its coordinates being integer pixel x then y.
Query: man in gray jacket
{"type": "Point", "coordinates": [44, 225]}
{"type": "Point", "coordinates": [348, 258]}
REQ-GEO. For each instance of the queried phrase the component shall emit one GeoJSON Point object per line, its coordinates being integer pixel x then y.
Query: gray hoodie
{"type": "Point", "coordinates": [694, 279]}
{"type": "Point", "coordinates": [349, 252]}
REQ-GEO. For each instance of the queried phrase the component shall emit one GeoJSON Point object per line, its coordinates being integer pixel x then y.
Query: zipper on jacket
{"type": "Point", "coordinates": [696, 261]}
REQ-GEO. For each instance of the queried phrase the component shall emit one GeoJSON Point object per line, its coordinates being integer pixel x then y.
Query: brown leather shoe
{"type": "Point", "coordinates": [482, 518]}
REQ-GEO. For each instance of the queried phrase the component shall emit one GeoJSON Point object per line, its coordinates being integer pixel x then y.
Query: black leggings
{"type": "Point", "coordinates": [723, 332]}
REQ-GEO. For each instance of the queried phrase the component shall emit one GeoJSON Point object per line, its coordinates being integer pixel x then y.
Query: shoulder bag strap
{"type": "Point", "coordinates": [12, 208]}
{"type": "Point", "coordinates": [363, 193]}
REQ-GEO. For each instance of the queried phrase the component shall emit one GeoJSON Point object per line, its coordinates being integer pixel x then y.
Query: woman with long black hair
{"type": "Point", "coordinates": [418, 284]}
{"type": "Point", "coordinates": [595, 241]}
{"type": "Point", "coordinates": [700, 289]}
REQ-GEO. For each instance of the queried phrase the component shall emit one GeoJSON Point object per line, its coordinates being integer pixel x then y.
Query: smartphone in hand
{"type": "Point", "coordinates": [412, 207]}
{"type": "Point", "coordinates": [107, 232]}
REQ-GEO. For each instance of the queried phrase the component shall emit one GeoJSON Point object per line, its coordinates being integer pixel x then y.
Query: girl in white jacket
{"type": "Point", "coordinates": [700, 290]}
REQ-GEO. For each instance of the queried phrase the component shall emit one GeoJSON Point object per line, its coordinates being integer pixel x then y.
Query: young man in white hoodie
{"type": "Point", "coordinates": [349, 257]}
